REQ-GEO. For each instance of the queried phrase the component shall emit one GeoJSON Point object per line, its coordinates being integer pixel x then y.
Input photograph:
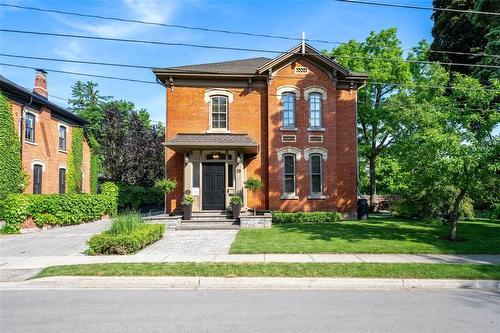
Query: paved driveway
{"type": "Point", "coordinates": [64, 241]}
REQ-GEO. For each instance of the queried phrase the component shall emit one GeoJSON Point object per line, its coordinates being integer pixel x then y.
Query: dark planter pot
{"type": "Point", "coordinates": [236, 211]}
{"type": "Point", "coordinates": [187, 212]}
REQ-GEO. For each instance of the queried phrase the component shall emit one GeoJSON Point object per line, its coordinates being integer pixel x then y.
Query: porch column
{"type": "Point", "coordinates": [240, 179]}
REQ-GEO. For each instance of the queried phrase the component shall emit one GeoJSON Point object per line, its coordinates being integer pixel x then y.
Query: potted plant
{"type": "Point", "coordinates": [236, 203]}
{"type": "Point", "coordinates": [187, 206]}
{"type": "Point", "coordinates": [253, 184]}
{"type": "Point", "coordinates": [166, 186]}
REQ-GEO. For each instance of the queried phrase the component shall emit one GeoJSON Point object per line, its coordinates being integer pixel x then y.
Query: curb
{"type": "Point", "coordinates": [253, 283]}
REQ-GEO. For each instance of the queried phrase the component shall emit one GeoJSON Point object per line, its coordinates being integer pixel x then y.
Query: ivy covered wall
{"type": "Point", "coordinates": [12, 177]}
{"type": "Point", "coordinates": [75, 159]}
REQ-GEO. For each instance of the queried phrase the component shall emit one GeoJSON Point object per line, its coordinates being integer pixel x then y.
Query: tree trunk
{"type": "Point", "coordinates": [254, 210]}
{"type": "Point", "coordinates": [373, 183]}
{"type": "Point", "coordinates": [455, 214]}
{"type": "Point", "coordinates": [165, 205]}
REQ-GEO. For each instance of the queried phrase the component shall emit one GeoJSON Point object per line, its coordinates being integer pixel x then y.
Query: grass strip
{"type": "Point", "coordinates": [353, 270]}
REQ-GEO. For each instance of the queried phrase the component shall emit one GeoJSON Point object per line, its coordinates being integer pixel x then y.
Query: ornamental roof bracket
{"type": "Point", "coordinates": [171, 82]}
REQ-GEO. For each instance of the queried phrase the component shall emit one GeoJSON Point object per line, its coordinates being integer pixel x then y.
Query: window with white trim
{"type": "Point", "coordinates": [316, 174]}
{"type": "Point", "coordinates": [219, 112]}
{"type": "Point", "coordinates": [37, 178]}
{"type": "Point", "coordinates": [315, 110]}
{"type": "Point", "coordinates": [62, 137]}
{"type": "Point", "coordinates": [289, 174]}
{"type": "Point", "coordinates": [288, 109]}
{"type": "Point", "coordinates": [29, 132]}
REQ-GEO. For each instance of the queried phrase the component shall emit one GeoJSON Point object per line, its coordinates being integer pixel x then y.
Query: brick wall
{"type": "Point", "coordinates": [339, 139]}
{"type": "Point", "coordinates": [258, 113]}
{"type": "Point", "coordinates": [46, 149]}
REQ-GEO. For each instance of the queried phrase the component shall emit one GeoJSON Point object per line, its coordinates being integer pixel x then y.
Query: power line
{"type": "Point", "coordinates": [82, 74]}
{"type": "Point", "coordinates": [141, 41]}
{"type": "Point", "coordinates": [189, 71]}
{"type": "Point", "coordinates": [397, 5]}
{"type": "Point", "coordinates": [218, 30]}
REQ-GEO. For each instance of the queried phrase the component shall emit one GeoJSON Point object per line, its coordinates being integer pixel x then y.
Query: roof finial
{"type": "Point", "coordinates": [303, 42]}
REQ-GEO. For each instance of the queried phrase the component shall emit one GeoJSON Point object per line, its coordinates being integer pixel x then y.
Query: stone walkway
{"type": "Point", "coordinates": [192, 242]}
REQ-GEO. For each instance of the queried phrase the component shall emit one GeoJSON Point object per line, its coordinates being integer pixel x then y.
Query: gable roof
{"type": "Point", "coordinates": [258, 67]}
{"type": "Point", "coordinates": [21, 94]}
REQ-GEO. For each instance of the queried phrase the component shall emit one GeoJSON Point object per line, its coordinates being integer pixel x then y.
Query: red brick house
{"type": "Point", "coordinates": [45, 133]}
{"type": "Point", "coordinates": [290, 121]}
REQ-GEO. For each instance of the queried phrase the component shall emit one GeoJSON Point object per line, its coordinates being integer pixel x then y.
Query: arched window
{"type": "Point", "coordinates": [316, 174]}
{"type": "Point", "coordinates": [218, 112]}
{"type": "Point", "coordinates": [37, 178]}
{"type": "Point", "coordinates": [315, 110]}
{"type": "Point", "coordinates": [29, 132]}
{"type": "Point", "coordinates": [288, 110]}
{"type": "Point", "coordinates": [289, 175]}
{"type": "Point", "coordinates": [62, 180]}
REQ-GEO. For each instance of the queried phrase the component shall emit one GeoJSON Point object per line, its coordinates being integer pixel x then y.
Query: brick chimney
{"type": "Point", "coordinates": [41, 83]}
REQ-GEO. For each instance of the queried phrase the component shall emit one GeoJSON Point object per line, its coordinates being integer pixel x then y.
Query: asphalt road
{"type": "Point", "coordinates": [249, 311]}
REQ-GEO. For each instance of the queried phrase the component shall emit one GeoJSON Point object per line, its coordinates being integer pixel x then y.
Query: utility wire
{"type": "Point", "coordinates": [397, 5]}
{"type": "Point", "coordinates": [82, 74]}
{"type": "Point", "coordinates": [153, 82]}
{"type": "Point", "coordinates": [141, 41]}
{"type": "Point", "coordinates": [218, 30]}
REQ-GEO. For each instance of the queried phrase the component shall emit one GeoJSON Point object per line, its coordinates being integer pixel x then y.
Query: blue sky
{"type": "Point", "coordinates": [320, 19]}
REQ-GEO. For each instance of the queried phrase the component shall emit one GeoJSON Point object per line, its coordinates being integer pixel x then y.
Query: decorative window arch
{"type": "Point", "coordinates": [315, 150]}
{"type": "Point", "coordinates": [315, 89]}
{"type": "Point", "coordinates": [289, 150]}
{"type": "Point", "coordinates": [38, 162]}
{"type": "Point", "coordinates": [288, 88]}
{"type": "Point", "coordinates": [218, 92]}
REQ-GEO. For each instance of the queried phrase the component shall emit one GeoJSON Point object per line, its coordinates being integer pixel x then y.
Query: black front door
{"type": "Point", "coordinates": [214, 196]}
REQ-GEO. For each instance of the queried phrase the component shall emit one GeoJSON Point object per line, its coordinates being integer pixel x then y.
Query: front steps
{"type": "Point", "coordinates": [217, 220]}
{"type": "Point", "coordinates": [214, 220]}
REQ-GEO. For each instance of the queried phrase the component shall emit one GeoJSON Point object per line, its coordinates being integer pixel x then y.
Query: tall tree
{"type": "Point", "coordinates": [87, 103]}
{"type": "Point", "coordinates": [113, 143]}
{"type": "Point", "coordinates": [381, 56]}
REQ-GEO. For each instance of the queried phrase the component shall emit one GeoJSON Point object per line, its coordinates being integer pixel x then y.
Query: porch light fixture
{"type": "Point", "coordinates": [186, 158]}
{"type": "Point", "coordinates": [238, 158]}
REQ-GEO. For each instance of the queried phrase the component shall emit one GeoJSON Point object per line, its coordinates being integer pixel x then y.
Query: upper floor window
{"type": "Point", "coordinates": [62, 137]}
{"type": "Point", "coordinates": [316, 174]}
{"type": "Point", "coordinates": [289, 174]}
{"type": "Point", "coordinates": [315, 110]}
{"type": "Point", "coordinates": [288, 109]}
{"type": "Point", "coordinates": [219, 112]}
{"type": "Point", "coordinates": [29, 133]}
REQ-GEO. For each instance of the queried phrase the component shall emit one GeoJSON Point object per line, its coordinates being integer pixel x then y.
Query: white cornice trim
{"type": "Point", "coordinates": [315, 150]}
{"type": "Point", "coordinates": [315, 89]}
{"type": "Point", "coordinates": [288, 88]}
{"type": "Point", "coordinates": [221, 92]}
{"type": "Point", "coordinates": [289, 150]}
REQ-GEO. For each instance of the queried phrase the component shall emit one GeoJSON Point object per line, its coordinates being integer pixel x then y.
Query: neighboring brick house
{"type": "Point", "coordinates": [290, 121]}
{"type": "Point", "coordinates": [45, 132]}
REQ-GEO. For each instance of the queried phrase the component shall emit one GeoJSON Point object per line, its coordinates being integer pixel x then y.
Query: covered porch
{"type": "Point", "coordinates": [214, 167]}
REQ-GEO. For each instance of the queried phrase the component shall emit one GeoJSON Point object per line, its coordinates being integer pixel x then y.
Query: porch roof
{"type": "Point", "coordinates": [183, 142]}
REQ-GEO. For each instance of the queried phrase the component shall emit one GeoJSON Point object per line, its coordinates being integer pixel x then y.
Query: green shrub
{"type": "Point", "coordinates": [125, 223]}
{"type": "Point", "coordinates": [95, 165]}
{"type": "Point", "coordinates": [306, 217]}
{"type": "Point", "coordinates": [55, 209]}
{"type": "Point", "coordinates": [187, 200]}
{"type": "Point", "coordinates": [133, 197]}
{"type": "Point", "coordinates": [12, 178]}
{"type": "Point", "coordinates": [236, 200]}
{"type": "Point", "coordinates": [125, 243]}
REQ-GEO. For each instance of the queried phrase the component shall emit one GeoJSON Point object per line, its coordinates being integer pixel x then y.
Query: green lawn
{"type": "Point", "coordinates": [365, 270]}
{"type": "Point", "coordinates": [376, 235]}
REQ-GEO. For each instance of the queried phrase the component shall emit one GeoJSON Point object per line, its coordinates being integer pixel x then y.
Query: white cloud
{"type": "Point", "coordinates": [156, 11]}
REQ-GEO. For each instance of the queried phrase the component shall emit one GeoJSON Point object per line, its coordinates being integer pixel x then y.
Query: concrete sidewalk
{"type": "Point", "coordinates": [11, 263]}
{"type": "Point", "coordinates": [183, 282]}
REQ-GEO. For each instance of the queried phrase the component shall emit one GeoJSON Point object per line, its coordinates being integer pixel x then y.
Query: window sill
{"type": "Point", "coordinates": [218, 131]}
{"type": "Point", "coordinates": [316, 129]}
{"type": "Point", "coordinates": [63, 151]}
{"type": "Point", "coordinates": [289, 197]}
{"type": "Point", "coordinates": [284, 129]}
{"type": "Point", "coordinates": [30, 143]}
{"type": "Point", "coordinates": [316, 197]}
